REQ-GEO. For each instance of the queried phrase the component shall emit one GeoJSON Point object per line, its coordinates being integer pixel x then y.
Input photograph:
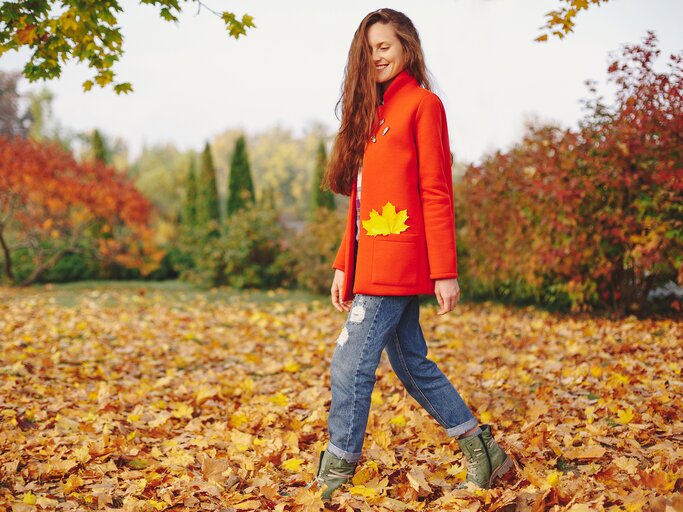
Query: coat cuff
{"type": "Point", "coordinates": [444, 275]}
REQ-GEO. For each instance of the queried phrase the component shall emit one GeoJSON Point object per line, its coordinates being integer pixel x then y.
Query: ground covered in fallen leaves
{"type": "Point", "coordinates": [143, 399]}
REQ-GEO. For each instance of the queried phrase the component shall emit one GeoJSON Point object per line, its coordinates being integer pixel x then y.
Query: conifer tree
{"type": "Point", "coordinates": [100, 152]}
{"type": "Point", "coordinates": [240, 185]}
{"type": "Point", "coordinates": [320, 198]}
{"type": "Point", "coordinates": [207, 193]}
{"type": "Point", "coordinates": [190, 209]}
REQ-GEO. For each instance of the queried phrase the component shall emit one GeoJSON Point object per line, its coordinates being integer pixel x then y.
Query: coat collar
{"type": "Point", "coordinates": [397, 83]}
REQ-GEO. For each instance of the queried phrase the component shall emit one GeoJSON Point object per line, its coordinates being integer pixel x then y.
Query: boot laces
{"type": "Point", "coordinates": [474, 461]}
{"type": "Point", "coordinates": [338, 474]}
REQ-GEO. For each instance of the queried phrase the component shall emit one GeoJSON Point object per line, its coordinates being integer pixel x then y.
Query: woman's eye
{"type": "Point", "coordinates": [385, 48]}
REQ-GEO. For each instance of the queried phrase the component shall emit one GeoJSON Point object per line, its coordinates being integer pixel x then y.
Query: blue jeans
{"type": "Point", "coordinates": [376, 322]}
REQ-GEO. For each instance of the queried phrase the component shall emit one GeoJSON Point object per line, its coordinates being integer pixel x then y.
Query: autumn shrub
{"type": "Point", "coordinates": [311, 251]}
{"type": "Point", "coordinates": [200, 261]}
{"type": "Point", "coordinates": [591, 216]}
{"type": "Point", "coordinates": [241, 252]}
{"type": "Point", "coordinates": [56, 207]}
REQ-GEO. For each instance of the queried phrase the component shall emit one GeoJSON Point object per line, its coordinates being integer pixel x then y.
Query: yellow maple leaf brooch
{"type": "Point", "coordinates": [388, 222]}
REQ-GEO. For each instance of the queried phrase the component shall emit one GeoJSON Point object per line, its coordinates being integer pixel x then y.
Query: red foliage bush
{"type": "Point", "coordinates": [595, 213]}
{"type": "Point", "coordinates": [50, 203]}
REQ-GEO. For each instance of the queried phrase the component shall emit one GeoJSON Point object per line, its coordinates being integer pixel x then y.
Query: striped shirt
{"type": "Point", "coordinates": [358, 186]}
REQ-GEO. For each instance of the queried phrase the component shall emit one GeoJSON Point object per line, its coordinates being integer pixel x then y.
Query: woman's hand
{"type": "Point", "coordinates": [336, 290]}
{"type": "Point", "coordinates": [447, 292]}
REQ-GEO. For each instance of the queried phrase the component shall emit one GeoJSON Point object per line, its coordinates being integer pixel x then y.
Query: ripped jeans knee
{"type": "Point", "coordinates": [356, 316]}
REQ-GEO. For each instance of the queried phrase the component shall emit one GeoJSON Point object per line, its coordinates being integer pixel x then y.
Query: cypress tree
{"type": "Point", "coordinates": [100, 151]}
{"type": "Point", "coordinates": [207, 193]}
{"type": "Point", "coordinates": [320, 198]}
{"type": "Point", "coordinates": [190, 210]}
{"type": "Point", "coordinates": [240, 185]}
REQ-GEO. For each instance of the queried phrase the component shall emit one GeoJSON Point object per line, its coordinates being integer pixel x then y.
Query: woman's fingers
{"type": "Point", "coordinates": [440, 299]}
{"type": "Point", "coordinates": [336, 296]}
{"type": "Point", "coordinates": [446, 302]}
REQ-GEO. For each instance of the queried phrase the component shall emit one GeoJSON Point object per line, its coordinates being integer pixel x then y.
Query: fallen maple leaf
{"type": "Point", "coordinates": [292, 464]}
{"type": "Point", "coordinates": [367, 492]}
{"type": "Point", "coordinates": [594, 451]}
{"type": "Point", "coordinates": [625, 415]}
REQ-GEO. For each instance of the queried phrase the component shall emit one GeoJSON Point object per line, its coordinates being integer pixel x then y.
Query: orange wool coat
{"type": "Point", "coordinates": [408, 164]}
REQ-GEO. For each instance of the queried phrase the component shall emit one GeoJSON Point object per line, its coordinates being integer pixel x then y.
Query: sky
{"type": "Point", "coordinates": [193, 81]}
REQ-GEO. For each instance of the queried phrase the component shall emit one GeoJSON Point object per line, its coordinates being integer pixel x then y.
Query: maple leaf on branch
{"type": "Point", "coordinates": [560, 22]}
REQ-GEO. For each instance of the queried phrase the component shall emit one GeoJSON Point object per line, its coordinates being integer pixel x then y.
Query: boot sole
{"type": "Point", "coordinates": [501, 470]}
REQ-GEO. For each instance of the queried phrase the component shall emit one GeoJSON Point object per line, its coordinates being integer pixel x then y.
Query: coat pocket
{"type": "Point", "coordinates": [395, 259]}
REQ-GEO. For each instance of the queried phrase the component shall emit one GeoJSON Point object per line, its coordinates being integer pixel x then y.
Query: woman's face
{"type": "Point", "coordinates": [387, 52]}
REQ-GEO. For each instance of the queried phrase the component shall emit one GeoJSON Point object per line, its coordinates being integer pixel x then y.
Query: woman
{"type": "Point", "coordinates": [399, 242]}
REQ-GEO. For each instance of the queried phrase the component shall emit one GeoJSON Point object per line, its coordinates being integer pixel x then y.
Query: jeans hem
{"type": "Point", "coordinates": [338, 452]}
{"type": "Point", "coordinates": [463, 427]}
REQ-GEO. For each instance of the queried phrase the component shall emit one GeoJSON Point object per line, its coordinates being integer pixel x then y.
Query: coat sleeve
{"type": "Point", "coordinates": [436, 186]}
{"type": "Point", "coordinates": [341, 252]}
{"type": "Point", "coordinates": [339, 259]}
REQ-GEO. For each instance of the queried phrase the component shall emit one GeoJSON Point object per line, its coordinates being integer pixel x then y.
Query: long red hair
{"type": "Point", "coordinates": [361, 93]}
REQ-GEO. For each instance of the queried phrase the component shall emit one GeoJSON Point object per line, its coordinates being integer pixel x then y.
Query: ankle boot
{"type": "Point", "coordinates": [333, 472]}
{"type": "Point", "coordinates": [486, 460]}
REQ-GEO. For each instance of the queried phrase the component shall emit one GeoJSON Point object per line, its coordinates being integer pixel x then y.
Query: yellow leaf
{"type": "Point", "coordinates": [388, 222]}
{"type": "Point", "coordinates": [159, 419]}
{"type": "Point", "coordinates": [182, 410]}
{"type": "Point", "coordinates": [367, 492]}
{"type": "Point", "coordinates": [241, 440]}
{"type": "Point", "coordinates": [617, 379]}
{"type": "Point", "coordinates": [594, 451]}
{"type": "Point", "coordinates": [625, 416]}
{"type": "Point", "coordinates": [399, 420]}
{"type": "Point", "coordinates": [485, 417]}
{"type": "Point", "coordinates": [248, 505]}
{"type": "Point", "coordinates": [596, 371]}
{"type": "Point", "coordinates": [309, 499]}
{"type": "Point", "coordinates": [158, 505]}
{"type": "Point", "coordinates": [30, 498]}
{"type": "Point", "coordinates": [237, 419]}
{"type": "Point", "coordinates": [291, 366]}
{"type": "Point", "coordinates": [364, 475]}
{"type": "Point", "coordinates": [663, 398]}
{"type": "Point", "coordinates": [279, 399]}
{"type": "Point", "coordinates": [590, 414]}
{"type": "Point", "coordinates": [553, 479]}
{"type": "Point", "coordinates": [179, 457]}
{"type": "Point", "coordinates": [72, 483]}
{"type": "Point", "coordinates": [459, 472]}
{"type": "Point", "coordinates": [292, 464]}
{"type": "Point", "coordinates": [204, 393]}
